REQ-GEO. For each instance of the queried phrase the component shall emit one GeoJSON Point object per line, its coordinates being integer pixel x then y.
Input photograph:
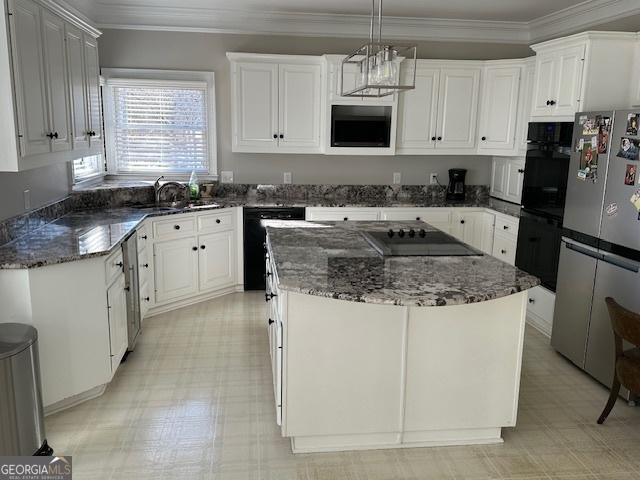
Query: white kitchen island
{"type": "Point", "coordinates": [388, 352]}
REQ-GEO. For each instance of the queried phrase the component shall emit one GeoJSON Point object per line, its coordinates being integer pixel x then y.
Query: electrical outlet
{"type": "Point", "coordinates": [397, 178]}
{"type": "Point", "coordinates": [433, 179]}
{"type": "Point", "coordinates": [287, 177]}
{"type": "Point", "coordinates": [27, 199]}
{"type": "Point", "coordinates": [226, 176]}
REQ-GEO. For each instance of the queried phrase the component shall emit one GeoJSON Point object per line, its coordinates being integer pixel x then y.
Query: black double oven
{"type": "Point", "coordinates": [543, 196]}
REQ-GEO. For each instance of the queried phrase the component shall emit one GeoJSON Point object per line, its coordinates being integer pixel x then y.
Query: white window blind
{"type": "Point", "coordinates": [159, 126]}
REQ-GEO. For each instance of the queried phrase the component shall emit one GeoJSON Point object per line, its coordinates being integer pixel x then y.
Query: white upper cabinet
{"type": "Point", "coordinates": [335, 78]}
{"type": "Point", "coordinates": [94, 102]}
{"type": "Point", "coordinates": [276, 105]}
{"type": "Point", "coordinates": [440, 114]}
{"type": "Point", "coordinates": [587, 71]}
{"type": "Point", "coordinates": [77, 88]}
{"type": "Point", "coordinates": [458, 108]}
{"type": "Point", "coordinates": [498, 177]}
{"type": "Point", "coordinates": [299, 95]}
{"type": "Point", "coordinates": [418, 107]}
{"type": "Point", "coordinates": [507, 176]}
{"type": "Point", "coordinates": [53, 36]}
{"type": "Point", "coordinates": [525, 103]}
{"type": "Point", "coordinates": [29, 76]}
{"type": "Point", "coordinates": [499, 109]}
{"type": "Point", "coordinates": [53, 64]}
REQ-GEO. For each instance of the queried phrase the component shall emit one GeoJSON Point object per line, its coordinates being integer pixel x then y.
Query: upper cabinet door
{"type": "Point", "coordinates": [418, 109]}
{"type": "Point", "coordinates": [299, 107]}
{"type": "Point", "coordinates": [498, 177]}
{"type": "Point", "coordinates": [255, 106]}
{"type": "Point", "coordinates": [93, 89]}
{"type": "Point", "coordinates": [57, 81]}
{"type": "Point", "coordinates": [499, 110]}
{"type": "Point", "coordinates": [77, 88]}
{"type": "Point", "coordinates": [568, 85]}
{"type": "Point", "coordinates": [458, 108]}
{"type": "Point", "coordinates": [514, 176]}
{"type": "Point", "coordinates": [543, 90]}
{"type": "Point", "coordinates": [29, 77]}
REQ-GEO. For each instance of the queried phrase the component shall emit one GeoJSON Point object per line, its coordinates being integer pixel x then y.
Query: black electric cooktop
{"type": "Point", "coordinates": [418, 243]}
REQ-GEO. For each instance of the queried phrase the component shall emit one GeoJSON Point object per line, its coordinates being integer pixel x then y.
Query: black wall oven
{"type": "Point", "coordinates": [544, 193]}
{"type": "Point", "coordinates": [361, 126]}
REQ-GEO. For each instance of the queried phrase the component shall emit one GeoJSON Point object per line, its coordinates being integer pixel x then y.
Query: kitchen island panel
{"type": "Point", "coordinates": [463, 365]}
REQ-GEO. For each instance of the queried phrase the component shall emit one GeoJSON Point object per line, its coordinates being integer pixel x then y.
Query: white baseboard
{"type": "Point", "coordinates": [540, 324]}
{"type": "Point", "coordinates": [75, 400]}
{"type": "Point", "coordinates": [185, 302]}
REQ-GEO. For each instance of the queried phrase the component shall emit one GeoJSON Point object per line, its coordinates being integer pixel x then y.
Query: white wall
{"type": "Point", "coordinates": [204, 51]}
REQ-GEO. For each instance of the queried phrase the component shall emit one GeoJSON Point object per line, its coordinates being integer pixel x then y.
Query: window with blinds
{"type": "Point", "coordinates": [159, 127]}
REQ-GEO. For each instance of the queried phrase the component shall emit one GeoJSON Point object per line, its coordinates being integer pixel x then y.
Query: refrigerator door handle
{"type": "Point", "coordinates": [621, 262]}
{"type": "Point", "coordinates": [584, 249]}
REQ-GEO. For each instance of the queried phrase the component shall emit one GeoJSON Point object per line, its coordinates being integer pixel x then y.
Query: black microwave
{"type": "Point", "coordinates": [361, 126]}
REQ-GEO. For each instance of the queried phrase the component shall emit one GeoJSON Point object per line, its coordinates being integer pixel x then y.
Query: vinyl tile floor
{"type": "Point", "coordinates": [195, 401]}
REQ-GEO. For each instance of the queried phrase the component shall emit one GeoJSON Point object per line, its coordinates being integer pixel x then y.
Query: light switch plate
{"type": "Point", "coordinates": [226, 176]}
{"type": "Point", "coordinates": [287, 177]}
{"type": "Point", "coordinates": [433, 179]}
{"type": "Point", "coordinates": [27, 199]}
{"type": "Point", "coordinates": [397, 178]}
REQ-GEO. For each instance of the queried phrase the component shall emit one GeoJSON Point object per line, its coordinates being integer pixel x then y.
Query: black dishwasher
{"type": "Point", "coordinates": [254, 238]}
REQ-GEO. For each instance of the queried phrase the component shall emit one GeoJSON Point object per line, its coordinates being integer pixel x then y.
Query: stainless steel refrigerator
{"type": "Point", "coordinates": [600, 250]}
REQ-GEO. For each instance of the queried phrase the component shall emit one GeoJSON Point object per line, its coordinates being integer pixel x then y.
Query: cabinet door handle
{"type": "Point", "coordinates": [271, 321]}
{"type": "Point", "coordinates": [145, 265]}
{"type": "Point", "coordinates": [194, 249]}
{"type": "Point", "coordinates": [505, 227]}
{"type": "Point", "coordinates": [275, 135]}
{"type": "Point", "coordinates": [521, 170]}
{"type": "Point", "coordinates": [462, 221]}
{"type": "Point", "coordinates": [147, 299]}
{"type": "Point", "coordinates": [203, 247]}
{"type": "Point", "coordinates": [50, 135]}
{"type": "Point", "coordinates": [531, 300]}
{"type": "Point", "coordinates": [439, 138]}
{"type": "Point", "coordinates": [552, 102]}
{"type": "Point", "coordinates": [433, 139]}
{"type": "Point", "coordinates": [143, 237]}
{"type": "Point", "coordinates": [269, 296]}
{"type": "Point", "coordinates": [345, 218]}
{"type": "Point", "coordinates": [281, 135]}
{"type": "Point", "coordinates": [484, 138]}
{"type": "Point", "coordinates": [269, 274]}
{"type": "Point", "coordinates": [217, 220]}
{"type": "Point", "coordinates": [177, 227]}
{"type": "Point", "coordinates": [127, 289]}
{"type": "Point", "coordinates": [503, 252]}
{"type": "Point", "coordinates": [418, 219]}
{"type": "Point", "coordinates": [119, 264]}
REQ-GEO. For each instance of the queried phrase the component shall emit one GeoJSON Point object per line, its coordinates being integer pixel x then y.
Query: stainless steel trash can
{"type": "Point", "coordinates": [21, 413]}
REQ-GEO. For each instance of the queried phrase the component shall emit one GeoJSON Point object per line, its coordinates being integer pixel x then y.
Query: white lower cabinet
{"type": "Point", "coordinates": [193, 254]}
{"type": "Point", "coordinates": [540, 309]}
{"type": "Point", "coordinates": [118, 334]}
{"type": "Point", "coordinates": [176, 268]}
{"type": "Point", "coordinates": [505, 240]}
{"type": "Point", "coordinates": [216, 260]}
{"type": "Point", "coordinates": [474, 228]}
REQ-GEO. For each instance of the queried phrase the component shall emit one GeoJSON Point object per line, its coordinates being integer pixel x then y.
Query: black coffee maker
{"type": "Point", "coordinates": [456, 189]}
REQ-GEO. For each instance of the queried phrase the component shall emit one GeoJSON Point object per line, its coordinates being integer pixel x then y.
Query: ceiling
{"type": "Point", "coordinates": [517, 21]}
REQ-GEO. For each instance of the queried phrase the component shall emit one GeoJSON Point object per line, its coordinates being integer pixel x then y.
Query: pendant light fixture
{"type": "Point", "coordinates": [376, 65]}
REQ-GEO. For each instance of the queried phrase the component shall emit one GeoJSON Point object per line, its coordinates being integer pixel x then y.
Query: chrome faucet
{"type": "Point", "coordinates": [158, 189]}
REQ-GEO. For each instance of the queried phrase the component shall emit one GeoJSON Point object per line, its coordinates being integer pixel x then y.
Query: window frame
{"type": "Point", "coordinates": [168, 78]}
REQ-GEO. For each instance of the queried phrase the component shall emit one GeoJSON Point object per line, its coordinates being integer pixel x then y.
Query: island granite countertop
{"type": "Point", "coordinates": [333, 260]}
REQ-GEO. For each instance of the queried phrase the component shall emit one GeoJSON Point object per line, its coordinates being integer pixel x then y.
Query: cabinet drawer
{"type": "Point", "coordinates": [143, 236]}
{"type": "Point", "coordinates": [215, 222]}
{"type": "Point", "coordinates": [507, 226]}
{"type": "Point", "coordinates": [174, 227]}
{"type": "Point", "coordinates": [504, 248]}
{"type": "Point", "coordinates": [541, 303]}
{"type": "Point", "coordinates": [113, 266]}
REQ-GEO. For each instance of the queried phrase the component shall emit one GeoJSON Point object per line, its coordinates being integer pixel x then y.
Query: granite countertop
{"type": "Point", "coordinates": [97, 232]}
{"type": "Point", "coordinates": [333, 260]}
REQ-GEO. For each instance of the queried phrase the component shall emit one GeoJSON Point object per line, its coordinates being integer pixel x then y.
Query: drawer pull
{"type": "Point", "coordinates": [269, 296]}
{"type": "Point", "coordinates": [147, 299]}
{"type": "Point", "coordinates": [418, 218]}
{"type": "Point", "coordinates": [194, 249]}
{"type": "Point", "coordinates": [145, 265]}
{"type": "Point", "coordinates": [177, 227]}
{"type": "Point", "coordinates": [217, 220]}
{"type": "Point", "coordinates": [345, 218]}
{"type": "Point", "coordinates": [271, 321]}
{"type": "Point", "coordinates": [462, 221]}
{"type": "Point", "coordinates": [505, 227]}
{"type": "Point", "coordinates": [143, 237]}
{"type": "Point", "coordinates": [119, 264]}
{"type": "Point", "coordinates": [202, 247]}
{"type": "Point", "coordinates": [531, 300]}
{"type": "Point", "coordinates": [503, 251]}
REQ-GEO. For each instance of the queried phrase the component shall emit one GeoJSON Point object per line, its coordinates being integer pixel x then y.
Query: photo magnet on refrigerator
{"type": "Point", "coordinates": [632, 124]}
{"type": "Point", "coordinates": [612, 209]}
{"type": "Point", "coordinates": [630, 174]}
{"type": "Point", "coordinates": [629, 148]}
{"type": "Point", "coordinates": [635, 199]}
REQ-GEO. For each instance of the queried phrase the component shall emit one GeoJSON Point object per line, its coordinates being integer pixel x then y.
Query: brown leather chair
{"type": "Point", "coordinates": [626, 326]}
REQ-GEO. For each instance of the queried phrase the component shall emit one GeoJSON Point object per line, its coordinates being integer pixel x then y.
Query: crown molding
{"type": "Point", "coordinates": [580, 17]}
{"type": "Point", "coordinates": [569, 20]}
{"type": "Point", "coordinates": [71, 15]}
{"type": "Point", "coordinates": [122, 16]}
